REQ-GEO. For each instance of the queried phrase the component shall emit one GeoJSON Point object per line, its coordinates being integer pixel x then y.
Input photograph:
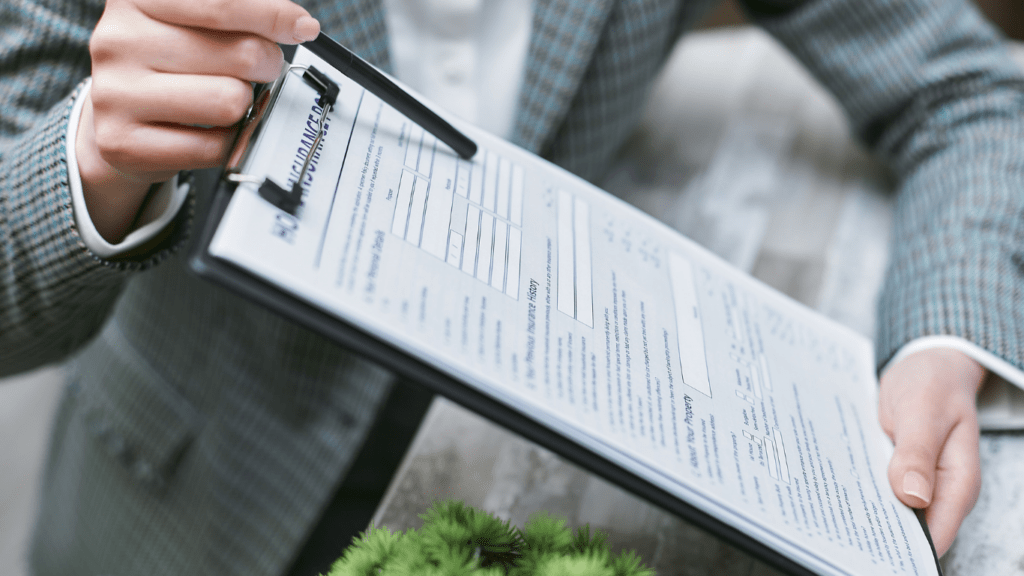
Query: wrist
{"type": "Point", "coordinates": [947, 371]}
{"type": "Point", "coordinates": [112, 197]}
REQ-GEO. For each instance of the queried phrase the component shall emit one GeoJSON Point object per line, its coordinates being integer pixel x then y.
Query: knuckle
{"type": "Point", "coordinates": [117, 36]}
{"type": "Point", "coordinates": [114, 144]}
{"type": "Point", "coordinates": [916, 455]}
{"type": "Point", "coordinates": [250, 55]}
{"type": "Point", "coordinates": [108, 133]}
{"type": "Point", "coordinates": [103, 46]}
{"type": "Point", "coordinates": [108, 102]}
{"type": "Point", "coordinates": [101, 94]}
{"type": "Point", "coordinates": [233, 101]}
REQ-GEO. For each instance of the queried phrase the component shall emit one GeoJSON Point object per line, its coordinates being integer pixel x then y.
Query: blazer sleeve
{"type": "Point", "coordinates": [54, 293]}
{"type": "Point", "coordinates": [929, 86]}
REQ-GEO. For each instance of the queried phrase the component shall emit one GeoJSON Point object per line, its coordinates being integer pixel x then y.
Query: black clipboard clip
{"type": "Point", "coordinates": [290, 200]}
{"type": "Point", "coordinates": [361, 72]}
{"type": "Point", "coordinates": [264, 98]}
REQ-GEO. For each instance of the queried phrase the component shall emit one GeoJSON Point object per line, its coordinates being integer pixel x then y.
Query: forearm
{"type": "Point", "coordinates": [54, 291]}
{"type": "Point", "coordinates": [930, 88]}
{"type": "Point", "coordinates": [112, 200]}
{"type": "Point", "coordinates": [958, 238]}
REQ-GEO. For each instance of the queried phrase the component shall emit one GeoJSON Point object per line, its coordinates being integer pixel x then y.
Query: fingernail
{"type": "Point", "coordinates": [915, 485]}
{"type": "Point", "coordinates": [306, 29]}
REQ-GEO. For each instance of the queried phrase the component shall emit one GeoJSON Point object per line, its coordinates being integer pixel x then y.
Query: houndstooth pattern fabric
{"type": "Point", "coordinates": [202, 435]}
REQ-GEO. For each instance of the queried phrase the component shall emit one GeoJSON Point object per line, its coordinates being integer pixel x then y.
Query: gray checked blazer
{"type": "Point", "coordinates": [201, 435]}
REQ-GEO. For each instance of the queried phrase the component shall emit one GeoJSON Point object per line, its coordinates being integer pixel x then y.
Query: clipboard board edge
{"type": "Point", "coordinates": [415, 371]}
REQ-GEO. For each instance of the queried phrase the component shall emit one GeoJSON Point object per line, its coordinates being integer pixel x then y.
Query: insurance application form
{"type": "Point", "coordinates": [535, 287]}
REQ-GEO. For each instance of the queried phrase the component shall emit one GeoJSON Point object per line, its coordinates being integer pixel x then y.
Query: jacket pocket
{"type": "Point", "coordinates": [135, 415]}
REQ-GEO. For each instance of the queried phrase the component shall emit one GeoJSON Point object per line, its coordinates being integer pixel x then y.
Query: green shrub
{"type": "Point", "coordinates": [458, 540]}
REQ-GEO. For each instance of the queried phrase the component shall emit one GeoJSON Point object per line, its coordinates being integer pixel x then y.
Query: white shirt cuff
{"type": "Point", "coordinates": [158, 212]}
{"type": "Point", "coordinates": [995, 364]}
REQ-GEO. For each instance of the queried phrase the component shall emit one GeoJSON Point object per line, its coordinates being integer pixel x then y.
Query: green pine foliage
{"type": "Point", "coordinates": [459, 540]}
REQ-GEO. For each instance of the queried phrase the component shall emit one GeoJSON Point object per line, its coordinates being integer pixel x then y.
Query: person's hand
{"type": "Point", "coordinates": [170, 80]}
{"type": "Point", "coordinates": [927, 406]}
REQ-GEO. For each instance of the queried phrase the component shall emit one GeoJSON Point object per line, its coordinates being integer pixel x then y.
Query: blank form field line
{"type": "Point", "coordinates": [337, 183]}
{"type": "Point", "coordinates": [518, 190]}
{"type": "Point", "coordinates": [499, 261]}
{"type": "Point", "coordinates": [515, 247]}
{"type": "Point", "coordinates": [584, 275]}
{"type": "Point", "coordinates": [780, 451]}
{"type": "Point", "coordinates": [483, 265]}
{"type": "Point", "coordinates": [771, 457]}
{"type": "Point", "coordinates": [403, 204]}
{"type": "Point", "coordinates": [471, 243]}
{"type": "Point", "coordinates": [476, 178]}
{"type": "Point", "coordinates": [455, 249]}
{"type": "Point", "coordinates": [462, 178]}
{"type": "Point", "coordinates": [426, 163]}
{"type": "Point", "coordinates": [504, 187]}
{"type": "Point", "coordinates": [566, 265]}
{"type": "Point", "coordinates": [690, 333]}
{"type": "Point", "coordinates": [490, 181]}
{"type": "Point", "coordinates": [412, 152]}
{"type": "Point", "coordinates": [438, 215]}
{"type": "Point", "coordinates": [417, 212]}
{"type": "Point", "coordinates": [765, 376]}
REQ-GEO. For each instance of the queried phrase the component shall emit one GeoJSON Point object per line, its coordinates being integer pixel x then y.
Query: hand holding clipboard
{"type": "Point", "coordinates": [149, 114]}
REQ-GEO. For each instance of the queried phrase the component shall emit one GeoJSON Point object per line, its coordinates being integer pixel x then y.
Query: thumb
{"type": "Point", "coordinates": [919, 441]}
{"type": "Point", "coordinates": [926, 405]}
{"type": "Point", "coordinates": [923, 398]}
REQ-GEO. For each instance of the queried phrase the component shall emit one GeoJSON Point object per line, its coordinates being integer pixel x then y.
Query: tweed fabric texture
{"type": "Point", "coordinates": [930, 88]}
{"type": "Point", "coordinates": [203, 435]}
{"type": "Point", "coordinates": [223, 473]}
{"type": "Point", "coordinates": [48, 280]}
{"type": "Point", "coordinates": [358, 24]}
{"type": "Point", "coordinates": [54, 293]}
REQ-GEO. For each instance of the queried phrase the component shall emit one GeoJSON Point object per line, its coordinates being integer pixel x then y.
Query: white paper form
{"type": "Point", "coordinates": [558, 299]}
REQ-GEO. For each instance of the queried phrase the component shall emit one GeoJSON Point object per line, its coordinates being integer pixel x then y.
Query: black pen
{"type": "Point", "coordinates": [368, 77]}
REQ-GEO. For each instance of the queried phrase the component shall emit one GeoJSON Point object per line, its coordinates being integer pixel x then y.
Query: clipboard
{"type": "Point", "coordinates": [351, 335]}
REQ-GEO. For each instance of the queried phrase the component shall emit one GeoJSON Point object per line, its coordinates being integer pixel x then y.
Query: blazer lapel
{"type": "Point", "coordinates": [357, 24]}
{"type": "Point", "coordinates": [564, 35]}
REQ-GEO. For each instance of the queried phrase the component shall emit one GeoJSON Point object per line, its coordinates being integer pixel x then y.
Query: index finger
{"type": "Point", "coordinates": [281, 21]}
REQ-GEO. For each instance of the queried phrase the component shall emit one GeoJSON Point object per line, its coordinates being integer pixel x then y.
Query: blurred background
{"type": "Point", "coordinates": [1007, 14]}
